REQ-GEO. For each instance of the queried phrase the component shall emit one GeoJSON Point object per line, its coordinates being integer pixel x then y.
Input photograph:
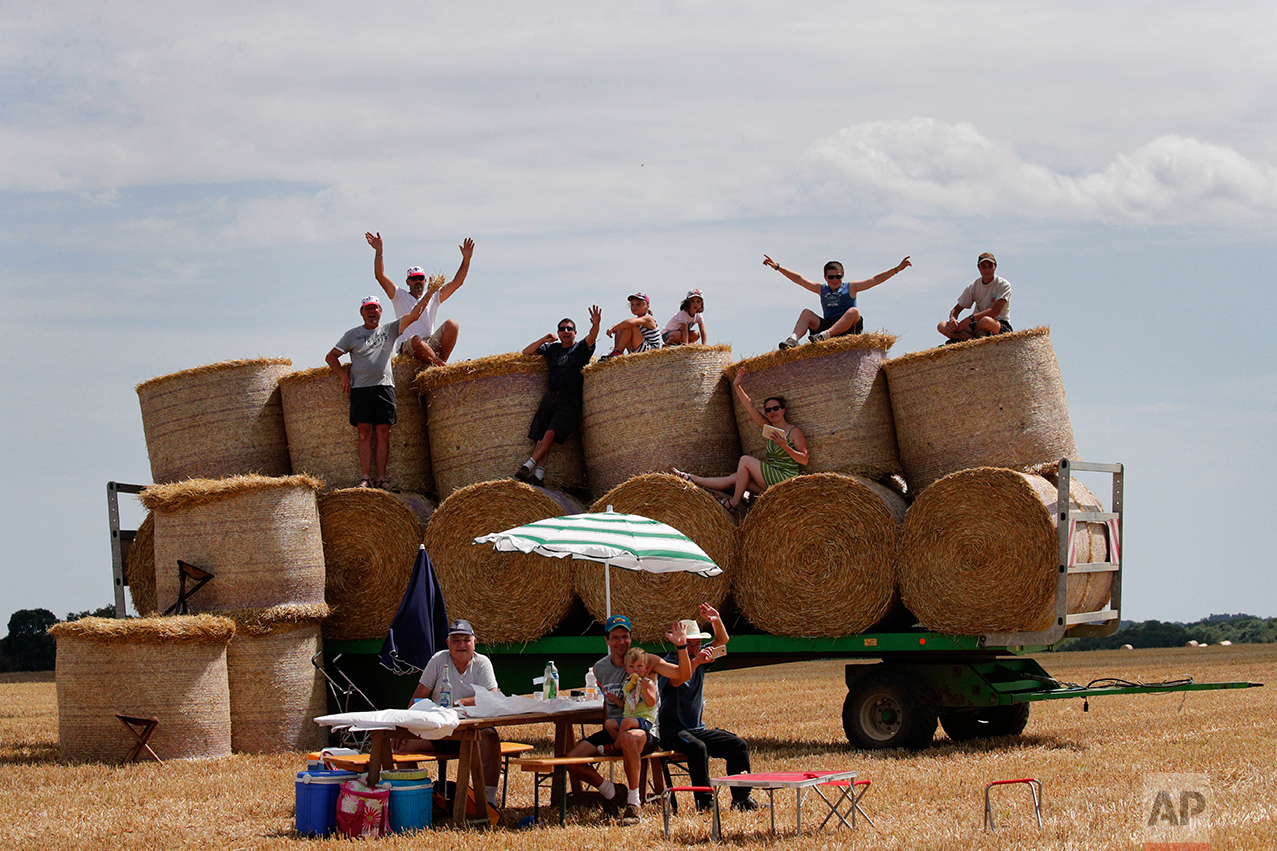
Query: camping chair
{"type": "Point", "coordinates": [141, 728]}
{"type": "Point", "coordinates": [341, 696]}
{"type": "Point", "coordinates": [198, 576]}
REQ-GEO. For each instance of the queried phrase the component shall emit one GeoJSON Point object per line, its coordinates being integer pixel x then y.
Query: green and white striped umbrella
{"type": "Point", "coordinates": [628, 541]}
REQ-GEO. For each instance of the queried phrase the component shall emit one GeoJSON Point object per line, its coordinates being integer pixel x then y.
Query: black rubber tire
{"type": "Point", "coordinates": [889, 709]}
{"type": "Point", "coordinates": [986, 723]}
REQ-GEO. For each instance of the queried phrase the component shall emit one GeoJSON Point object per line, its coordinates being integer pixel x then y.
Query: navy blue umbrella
{"type": "Point", "coordinates": [420, 627]}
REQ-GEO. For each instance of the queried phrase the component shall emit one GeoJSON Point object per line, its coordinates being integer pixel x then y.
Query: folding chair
{"type": "Point", "coordinates": [141, 728]}
{"type": "Point", "coordinates": [341, 695]}
{"type": "Point", "coordinates": [668, 804]}
{"type": "Point", "coordinates": [852, 794]}
{"type": "Point", "coordinates": [1035, 789]}
{"type": "Point", "coordinates": [195, 574]}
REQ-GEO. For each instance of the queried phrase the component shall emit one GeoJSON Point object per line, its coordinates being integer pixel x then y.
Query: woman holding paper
{"type": "Point", "coordinates": [784, 452]}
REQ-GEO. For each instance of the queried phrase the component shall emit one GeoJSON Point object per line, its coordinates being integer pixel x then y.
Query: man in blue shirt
{"type": "Point", "coordinates": [682, 728]}
{"type": "Point", "coordinates": [837, 301]}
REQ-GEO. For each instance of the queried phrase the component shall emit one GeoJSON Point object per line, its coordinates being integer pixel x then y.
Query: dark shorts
{"type": "Point", "coordinates": [602, 739]}
{"type": "Point", "coordinates": [826, 324]}
{"type": "Point", "coordinates": [446, 745]}
{"type": "Point", "coordinates": [560, 412]}
{"type": "Point", "coordinates": [375, 405]}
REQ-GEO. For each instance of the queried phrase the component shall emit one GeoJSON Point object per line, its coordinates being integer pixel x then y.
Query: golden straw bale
{"type": "Point", "coordinates": [140, 569]}
{"type": "Point", "coordinates": [818, 556]}
{"type": "Point", "coordinates": [259, 536]}
{"type": "Point", "coordinates": [170, 668]}
{"type": "Point", "coordinates": [275, 691]}
{"type": "Point", "coordinates": [322, 442]}
{"type": "Point", "coordinates": [509, 597]}
{"type": "Point", "coordinates": [479, 412]}
{"type": "Point", "coordinates": [979, 553]}
{"type": "Point", "coordinates": [217, 420]}
{"type": "Point", "coordinates": [1090, 591]}
{"type": "Point", "coordinates": [650, 411]}
{"type": "Point", "coordinates": [370, 543]}
{"type": "Point", "coordinates": [836, 392]}
{"type": "Point", "coordinates": [654, 601]}
{"type": "Point", "coordinates": [993, 402]}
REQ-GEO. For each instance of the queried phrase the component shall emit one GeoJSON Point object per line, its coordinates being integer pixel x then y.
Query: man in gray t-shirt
{"type": "Point", "coordinates": [371, 384]}
{"type": "Point", "coordinates": [990, 298]}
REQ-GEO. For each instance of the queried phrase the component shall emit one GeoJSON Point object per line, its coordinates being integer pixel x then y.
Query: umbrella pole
{"type": "Point", "coordinates": [607, 588]}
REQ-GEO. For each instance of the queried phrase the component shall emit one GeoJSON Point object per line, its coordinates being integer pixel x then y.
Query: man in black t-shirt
{"type": "Point", "coordinates": [559, 413]}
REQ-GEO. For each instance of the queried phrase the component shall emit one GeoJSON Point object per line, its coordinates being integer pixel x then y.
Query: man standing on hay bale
{"type": "Point", "coordinates": [682, 728]}
{"type": "Point", "coordinates": [635, 743]}
{"type": "Point", "coordinates": [467, 671]}
{"type": "Point", "coordinates": [420, 337]}
{"type": "Point", "coordinates": [990, 295]}
{"type": "Point", "coordinates": [837, 299]}
{"type": "Point", "coordinates": [371, 385]}
{"type": "Point", "coordinates": [559, 414]}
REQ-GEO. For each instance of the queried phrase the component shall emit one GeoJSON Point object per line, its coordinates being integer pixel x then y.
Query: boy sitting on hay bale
{"type": "Point", "coordinates": [990, 295]}
{"type": "Point", "coordinates": [421, 338]}
{"type": "Point", "coordinates": [371, 384]}
{"type": "Point", "coordinates": [559, 413]}
{"type": "Point", "coordinates": [837, 299]}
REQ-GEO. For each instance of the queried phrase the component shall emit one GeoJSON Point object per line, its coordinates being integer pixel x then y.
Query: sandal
{"type": "Point", "coordinates": [726, 502]}
{"type": "Point", "coordinates": [365, 482]}
{"type": "Point", "coordinates": [684, 476]}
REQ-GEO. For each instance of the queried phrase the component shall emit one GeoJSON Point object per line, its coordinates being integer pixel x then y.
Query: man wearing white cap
{"type": "Point", "coordinates": [422, 338]}
{"type": "Point", "coordinates": [682, 728]}
{"type": "Point", "coordinates": [371, 385]}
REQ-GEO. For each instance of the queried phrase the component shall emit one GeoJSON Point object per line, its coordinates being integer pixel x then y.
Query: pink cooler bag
{"type": "Point", "coordinates": [362, 810]}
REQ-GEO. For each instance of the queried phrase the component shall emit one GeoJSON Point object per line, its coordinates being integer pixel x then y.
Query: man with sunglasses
{"type": "Point", "coordinates": [422, 338]}
{"type": "Point", "coordinates": [559, 413]}
{"type": "Point", "coordinates": [990, 296]}
{"type": "Point", "coordinates": [837, 299]}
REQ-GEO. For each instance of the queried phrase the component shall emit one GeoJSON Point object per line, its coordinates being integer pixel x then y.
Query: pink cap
{"type": "Point", "coordinates": [642, 297]}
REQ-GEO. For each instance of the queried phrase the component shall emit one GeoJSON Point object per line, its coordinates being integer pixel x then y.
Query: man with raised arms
{"type": "Point", "coordinates": [422, 338]}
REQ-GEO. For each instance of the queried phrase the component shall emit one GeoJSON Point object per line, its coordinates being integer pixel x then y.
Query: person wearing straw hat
{"type": "Point", "coordinates": [559, 413]}
{"type": "Point", "coordinates": [682, 727]}
{"type": "Point", "coordinates": [421, 337]}
{"type": "Point", "coordinates": [467, 671]}
{"type": "Point", "coordinates": [990, 296]}
{"type": "Point", "coordinates": [611, 675]}
{"type": "Point", "coordinates": [837, 300]}
{"type": "Point", "coordinates": [371, 385]}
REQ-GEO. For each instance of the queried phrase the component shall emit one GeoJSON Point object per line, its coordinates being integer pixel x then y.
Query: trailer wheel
{"type": "Point", "coordinates": [986, 723]}
{"type": "Point", "coordinates": [887, 709]}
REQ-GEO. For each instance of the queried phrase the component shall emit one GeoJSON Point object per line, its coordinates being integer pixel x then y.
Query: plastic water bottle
{"type": "Point", "coordinates": [445, 689]}
{"type": "Point", "coordinates": [550, 683]}
{"type": "Point", "coordinates": [554, 672]}
{"type": "Point", "coordinates": [591, 685]}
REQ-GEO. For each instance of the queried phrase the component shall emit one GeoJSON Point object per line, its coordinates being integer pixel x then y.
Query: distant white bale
{"type": "Point", "coordinates": [1127, 647]}
{"type": "Point", "coordinates": [1191, 643]}
{"type": "Point", "coordinates": [1226, 643]}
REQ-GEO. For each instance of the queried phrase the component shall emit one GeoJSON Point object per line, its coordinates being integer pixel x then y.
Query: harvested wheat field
{"type": "Point", "coordinates": [1092, 766]}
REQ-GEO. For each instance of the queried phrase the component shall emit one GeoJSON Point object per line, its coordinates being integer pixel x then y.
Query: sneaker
{"type": "Point", "coordinates": [788, 343]}
{"type": "Point", "coordinates": [632, 816]}
{"type": "Point", "coordinates": [537, 478]}
{"type": "Point", "coordinates": [610, 355]}
{"type": "Point", "coordinates": [818, 338]}
{"type": "Point", "coordinates": [523, 474]}
{"type": "Point", "coordinates": [613, 804]}
{"type": "Point", "coordinates": [746, 806]}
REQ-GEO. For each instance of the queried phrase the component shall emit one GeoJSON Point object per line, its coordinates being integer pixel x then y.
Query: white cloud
{"type": "Point", "coordinates": [925, 165]}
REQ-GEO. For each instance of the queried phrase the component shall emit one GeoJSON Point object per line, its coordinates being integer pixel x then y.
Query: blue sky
{"type": "Point", "coordinates": [185, 185]}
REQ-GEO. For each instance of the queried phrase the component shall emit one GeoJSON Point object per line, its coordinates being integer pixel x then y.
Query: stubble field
{"type": "Point", "coordinates": [1092, 765]}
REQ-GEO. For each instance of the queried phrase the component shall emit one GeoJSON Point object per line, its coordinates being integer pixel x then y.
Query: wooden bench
{"type": "Point", "coordinates": [359, 762]}
{"type": "Point", "coordinates": [553, 770]}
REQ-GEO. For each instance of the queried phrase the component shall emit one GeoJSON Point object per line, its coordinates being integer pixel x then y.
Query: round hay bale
{"type": "Point", "coordinates": [421, 506]}
{"type": "Point", "coordinates": [993, 402]}
{"type": "Point", "coordinates": [818, 556]}
{"type": "Point", "coordinates": [650, 411]}
{"type": "Point", "coordinates": [978, 553]}
{"type": "Point", "coordinates": [323, 443]}
{"type": "Point", "coordinates": [140, 567]}
{"type": "Point", "coordinates": [654, 601]}
{"type": "Point", "coordinates": [837, 393]}
{"type": "Point", "coordinates": [222, 419]}
{"type": "Point", "coordinates": [258, 536]}
{"type": "Point", "coordinates": [479, 412]}
{"type": "Point", "coordinates": [370, 543]}
{"type": "Point", "coordinates": [275, 691]}
{"type": "Point", "coordinates": [170, 668]}
{"type": "Point", "coordinates": [509, 597]}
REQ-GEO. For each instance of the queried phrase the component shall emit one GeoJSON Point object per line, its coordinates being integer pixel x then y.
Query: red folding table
{"type": "Point", "coordinates": [801, 782]}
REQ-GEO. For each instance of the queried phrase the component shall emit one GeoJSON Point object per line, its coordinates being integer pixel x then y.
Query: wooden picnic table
{"type": "Point", "coordinates": [469, 760]}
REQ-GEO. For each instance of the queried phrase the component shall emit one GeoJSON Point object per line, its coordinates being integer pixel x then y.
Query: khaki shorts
{"type": "Point", "coordinates": [434, 341]}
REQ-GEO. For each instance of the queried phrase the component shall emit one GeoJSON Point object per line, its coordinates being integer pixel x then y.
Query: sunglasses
{"type": "Point", "coordinates": [837, 277]}
{"type": "Point", "coordinates": [566, 330]}
{"type": "Point", "coordinates": [772, 409]}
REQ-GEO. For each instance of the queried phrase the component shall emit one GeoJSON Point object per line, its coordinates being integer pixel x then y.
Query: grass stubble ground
{"type": "Point", "coordinates": [1092, 766]}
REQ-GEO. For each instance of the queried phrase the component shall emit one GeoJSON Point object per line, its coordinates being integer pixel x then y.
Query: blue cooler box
{"type": "Point", "coordinates": [317, 792]}
{"type": "Point", "coordinates": [411, 800]}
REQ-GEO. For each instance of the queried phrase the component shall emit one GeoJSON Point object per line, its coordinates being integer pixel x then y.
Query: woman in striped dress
{"type": "Point", "coordinates": [639, 333]}
{"type": "Point", "coordinates": [784, 452]}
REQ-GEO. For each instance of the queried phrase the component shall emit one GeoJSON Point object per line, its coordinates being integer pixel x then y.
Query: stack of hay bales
{"type": "Point", "coordinates": [818, 556]}
{"type": "Point", "coordinates": [654, 601]}
{"type": "Point", "coordinates": [651, 411]}
{"type": "Point", "coordinates": [992, 402]}
{"type": "Point", "coordinates": [478, 413]}
{"type": "Point", "coordinates": [509, 597]}
{"type": "Point", "coordinates": [323, 443]}
{"type": "Point", "coordinates": [370, 541]}
{"type": "Point", "coordinates": [171, 668]}
{"type": "Point", "coordinates": [837, 393]}
{"type": "Point", "coordinates": [217, 420]}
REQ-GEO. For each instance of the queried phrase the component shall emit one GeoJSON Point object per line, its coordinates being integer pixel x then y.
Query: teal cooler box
{"type": "Point", "coordinates": [411, 800]}
{"type": "Point", "coordinates": [317, 792]}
